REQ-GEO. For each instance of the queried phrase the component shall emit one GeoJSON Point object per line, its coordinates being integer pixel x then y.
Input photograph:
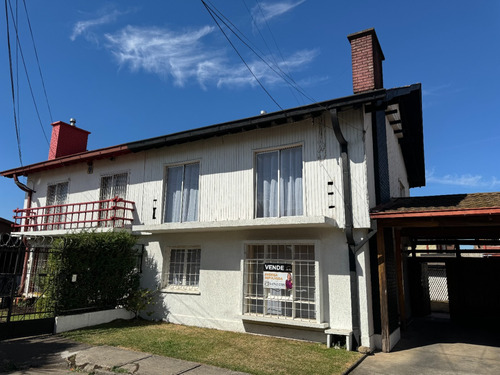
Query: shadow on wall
{"type": "Point", "coordinates": [151, 279]}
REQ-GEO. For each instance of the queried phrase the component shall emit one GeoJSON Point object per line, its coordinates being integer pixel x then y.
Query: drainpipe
{"type": "Point", "coordinates": [349, 227]}
{"type": "Point", "coordinates": [30, 192]}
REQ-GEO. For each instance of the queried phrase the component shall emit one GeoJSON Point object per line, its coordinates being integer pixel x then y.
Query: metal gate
{"type": "Point", "coordinates": [24, 310]}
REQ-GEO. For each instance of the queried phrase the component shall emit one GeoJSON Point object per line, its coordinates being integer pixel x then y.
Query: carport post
{"type": "Point", "coordinates": [399, 270]}
{"type": "Point", "coordinates": [382, 277]}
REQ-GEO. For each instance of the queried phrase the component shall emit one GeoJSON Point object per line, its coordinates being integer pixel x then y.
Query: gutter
{"type": "Point", "coordinates": [353, 247]}
{"type": "Point", "coordinates": [30, 192]}
{"type": "Point", "coordinates": [349, 227]}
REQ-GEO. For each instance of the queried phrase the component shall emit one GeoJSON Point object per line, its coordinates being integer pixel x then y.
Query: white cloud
{"type": "Point", "coordinates": [163, 52]}
{"type": "Point", "coordinates": [267, 11]}
{"type": "Point", "coordinates": [464, 180]}
{"type": "Point", "coordinates": [186, 57]}
{"type": "Point", "coordinates": [84, 27]}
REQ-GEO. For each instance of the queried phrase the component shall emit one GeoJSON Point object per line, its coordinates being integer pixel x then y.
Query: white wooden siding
{"type": "Point", "coordinates": [227, 172]}
{"type": "Point", "coordinates": [397, 168]}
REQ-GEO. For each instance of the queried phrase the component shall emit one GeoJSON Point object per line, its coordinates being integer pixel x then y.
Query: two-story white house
{"type": "Point", "coordinates": [256, 225]}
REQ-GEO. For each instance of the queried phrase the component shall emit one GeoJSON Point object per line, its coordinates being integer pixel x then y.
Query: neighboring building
{"type": "Point", "coordinates": [289, 192]}
{"type": "Point", "coordinates": [5, 225]}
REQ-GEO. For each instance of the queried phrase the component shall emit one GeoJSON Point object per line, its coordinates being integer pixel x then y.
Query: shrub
{"type": "Point", "coordinates": [92, 270]}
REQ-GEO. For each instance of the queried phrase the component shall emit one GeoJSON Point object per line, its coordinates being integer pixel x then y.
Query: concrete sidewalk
{"type": "Point", "coordinates": [53, 354]}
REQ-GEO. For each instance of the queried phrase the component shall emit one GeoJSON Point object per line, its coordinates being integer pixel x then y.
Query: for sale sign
{"type": "Point", "coordinates": [278, 276]}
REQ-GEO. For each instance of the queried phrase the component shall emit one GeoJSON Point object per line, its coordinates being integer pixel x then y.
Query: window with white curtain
{"type": "Point", "coordinates": [279, 183]}
{"type": "Point", "coordinates": [112, 186]}
{"type": "Point", "coordinates": [181, 270]}
{"type": "Point", "coordinates": [181, 198]}
{"type": "Point", "coordinates": [57, 195]}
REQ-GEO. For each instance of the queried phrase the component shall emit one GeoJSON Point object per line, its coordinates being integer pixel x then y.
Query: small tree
{"type": "Point", "coordinates": [140, 300]}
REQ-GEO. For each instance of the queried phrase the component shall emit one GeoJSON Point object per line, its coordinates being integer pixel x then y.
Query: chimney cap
{"type": "Point", "coordinates": [72, 121]}
{"type": "Point", "coordinates": [370, 31]}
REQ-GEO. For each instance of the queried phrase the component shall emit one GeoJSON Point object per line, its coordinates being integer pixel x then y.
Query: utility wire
{"type": "Point", "coordinates": [38, 61]}
{"type": "Point", "coordinates": [275, 44]}
{"type": "Point", "coordinates": [281, 73]}
{"type": "Point", "coordinates": [18, 137]}
{"type": "Point", "coordinates": [210, 11]}
{"type": "Point", "coordinates": [27, 75]}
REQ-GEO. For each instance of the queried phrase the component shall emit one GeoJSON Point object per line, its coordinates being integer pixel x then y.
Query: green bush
{"type": "Point", "coordinates": [92, 270]}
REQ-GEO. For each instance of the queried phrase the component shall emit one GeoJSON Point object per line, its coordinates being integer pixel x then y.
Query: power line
{"type": "Point", "coordinates": [275, 44]}
{"type": "Point", "coordinates": [210, 11]}
{"type": "Point", "coordinates": [18, 137]}
{"type": "Point", "coordinates": [26, 72]}
{"type": "Point", "coordinates": [37, 61]}
{"type": "Point", "coordinates": [281, 73]}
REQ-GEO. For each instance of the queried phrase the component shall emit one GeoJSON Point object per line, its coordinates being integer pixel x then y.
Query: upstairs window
{"type": "Point", "coordinates": [57, 194]}
{"type": "Point", "coordinates": [112, 186]}
{"type": "Point", "coordinates": [279, 183]}
{"type": "Point", "coordinates": [181, 198]}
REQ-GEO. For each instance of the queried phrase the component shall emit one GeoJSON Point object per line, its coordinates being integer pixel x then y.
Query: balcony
{"type": "Point", "coordinates": [110, 213]}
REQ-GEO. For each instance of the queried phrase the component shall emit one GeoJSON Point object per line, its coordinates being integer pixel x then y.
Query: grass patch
{"type": "Point", "coordinates": [236, 351]}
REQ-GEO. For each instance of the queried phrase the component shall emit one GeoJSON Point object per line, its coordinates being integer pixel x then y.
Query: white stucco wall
{"type": "Point", "coordinates": [219, 303]}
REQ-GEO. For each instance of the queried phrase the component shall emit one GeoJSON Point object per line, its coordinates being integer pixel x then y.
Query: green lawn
{"type": "Point", "coordinates": [236, 351]}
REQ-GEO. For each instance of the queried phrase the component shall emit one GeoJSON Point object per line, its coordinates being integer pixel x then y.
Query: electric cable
{"type": "Point", "coordinates": [275, 44]}
{"type": "Point", "coordinates": [27, 75]}
{"type": "Point", "coordinates": [38, 61]}
{"type": "Point", "coordinates": [209, 10]}
{"type": "Point", "coordinates": [282, 75]}
{"type": "Point", "coordinates": [18, 136]}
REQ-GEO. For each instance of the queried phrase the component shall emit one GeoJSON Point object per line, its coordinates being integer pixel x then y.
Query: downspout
{"type": "Point", "coordinates": [30, 192]}
{"type": "Point", "coordinates": [349, 227]}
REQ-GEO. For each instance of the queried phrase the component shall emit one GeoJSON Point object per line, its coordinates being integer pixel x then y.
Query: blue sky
{"type": "Point", "coordinates": [129, 70]}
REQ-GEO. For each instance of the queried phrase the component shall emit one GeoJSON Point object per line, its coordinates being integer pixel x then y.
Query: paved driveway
{"type": "Point", "coordinates": [435, 346]}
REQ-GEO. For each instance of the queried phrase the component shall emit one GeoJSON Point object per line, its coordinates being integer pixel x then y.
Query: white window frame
{"type": "Point", "coordinates": [165, 192]}
{"type": "Point", "coordinates": [57, 210]}
{"type": "Point", "coordinates": [279, 150]}
{"type": "Point", "coordinates": [182, 287]}
{"type": "Point", "coordinates": [104, 214]}
{"type": "Point", "coordinates": [318, 290]}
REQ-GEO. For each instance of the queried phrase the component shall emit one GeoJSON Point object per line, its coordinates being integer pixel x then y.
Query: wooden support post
{"type": "Point", "coordinates": [399, 271]}
{"type": "Point", "coordinates": [382, 277]}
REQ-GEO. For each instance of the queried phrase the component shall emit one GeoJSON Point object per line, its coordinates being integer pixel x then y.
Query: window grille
{"type": "Point", "coordinates": [57, 195]}
{"type": "Point", "coordinates": [183, 269]}
{"type": "Point", "coordinates": [112, 186]}
{"type": "Point", "coordinates": [299, 302]}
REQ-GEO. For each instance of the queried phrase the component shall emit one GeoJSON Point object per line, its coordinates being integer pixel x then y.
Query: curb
{"type": "Point", "coordinates": [356, 364]}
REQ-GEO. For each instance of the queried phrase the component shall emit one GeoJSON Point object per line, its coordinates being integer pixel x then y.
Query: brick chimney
{"type": "Point", "coordinates": [367, 60]}
{"type": "Point", "coordinates": [67, 139]}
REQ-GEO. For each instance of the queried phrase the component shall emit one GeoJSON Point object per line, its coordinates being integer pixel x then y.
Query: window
{"type": "Point", "coordinates": [112, 186]}
{"type": "Point", "coordinates": [183, 269]}
{"type": "Point", "coordinates": [279, 183]}
{"type": "Point", "coordinates": [296, 299]}
{"type": "Point", "coordinates": [181, 198]}
{"type": "Point", "coordinates": [56, 196]}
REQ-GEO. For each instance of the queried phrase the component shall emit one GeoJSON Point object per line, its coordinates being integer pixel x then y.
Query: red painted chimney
{"type": "Point", "coordinates": [367, 60]}
{"type": "Point", "coordinates": [67, 139]}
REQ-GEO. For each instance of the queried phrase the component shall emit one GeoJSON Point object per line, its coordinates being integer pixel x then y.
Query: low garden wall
{"type": "Point", "coordinates": [71, 322]}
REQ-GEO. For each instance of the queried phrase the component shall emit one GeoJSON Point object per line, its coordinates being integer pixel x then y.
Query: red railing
{"type": "Point", "coordinates": [114, 213]}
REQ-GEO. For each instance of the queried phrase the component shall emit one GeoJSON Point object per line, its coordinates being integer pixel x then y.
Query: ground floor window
{"type": "Point", "coordinates": [181, 269]}
{"type": "Point", "coordinates": [280, 281]}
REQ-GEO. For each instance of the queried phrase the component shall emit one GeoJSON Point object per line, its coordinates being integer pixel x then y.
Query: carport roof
{"type": "Point", "coordinates": [439, 205]}
{"type": "Point", "coordinates": [448, 217]}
